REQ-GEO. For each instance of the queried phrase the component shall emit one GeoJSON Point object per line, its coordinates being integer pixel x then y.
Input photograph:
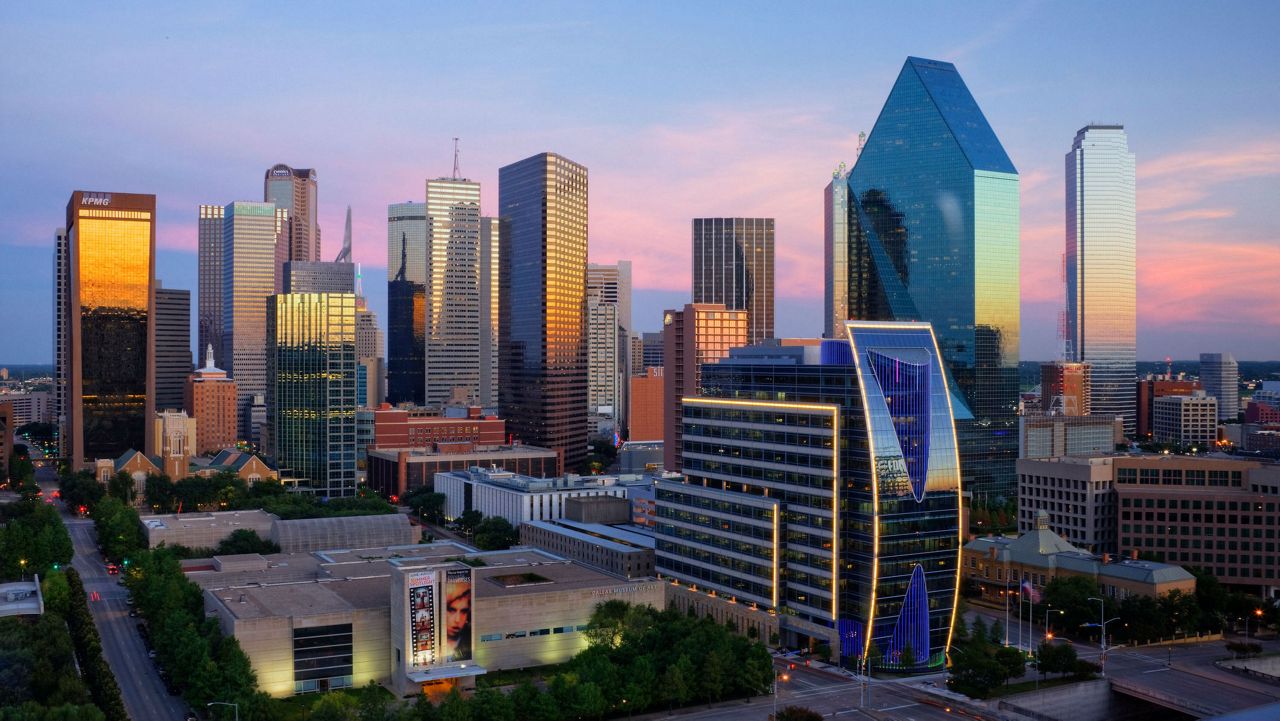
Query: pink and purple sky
{"type": "Point", "coordinates": [678, 112]}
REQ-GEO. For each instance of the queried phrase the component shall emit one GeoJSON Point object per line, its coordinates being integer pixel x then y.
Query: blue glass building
{"type": "Point", "coordinates": [822, 483]}
{"type": "Point", "coordinates": [933, 236]}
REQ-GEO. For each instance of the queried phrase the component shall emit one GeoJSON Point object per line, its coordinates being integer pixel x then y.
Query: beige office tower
{"type": "Point", "coordinates": [490, 235]}
{"type": "Point", "coordinates": [369, 355]}
{"type": "Point", "coordinates": [452, 293]}
{"type": "Point", "coordinates": [608, 345]}
{"type": "Point", "coordinates": [249, 234]}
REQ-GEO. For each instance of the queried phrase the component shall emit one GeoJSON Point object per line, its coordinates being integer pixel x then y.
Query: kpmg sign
{"type": "Point", "coordinates": [95, 199]}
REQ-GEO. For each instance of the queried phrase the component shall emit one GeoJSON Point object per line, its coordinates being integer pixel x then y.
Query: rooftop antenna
{"type": "Point", "coordinates": [862, 140]}
{"type": "Point", "coordinates": [344, 256]}
{"type": "Point", "coordinates": [456, 175]}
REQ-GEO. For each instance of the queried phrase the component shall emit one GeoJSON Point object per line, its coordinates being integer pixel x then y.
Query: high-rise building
{"type": "Point", "coordinates": [108, 316]}
{"type": "Point", "coordinates": [733, 266]}
{"type": "Point", "coordinates": [934, 237]}
{"type": "Point", "coordinates": [1149, 389]}
{"type": "Point", "coordinates": [1101, 253]}
{"type": "Point", "coordinates": [209, 288]}
{"type": "Point", "coordinates": [7, 427]}
{"type": "Point", "coordinates": [249, 236]}
{"type": "Point", "coordinates": [453, 291]}
{"type": "Point", "coordinates": [210, 398]}
{"type": "Point", "coordinates": [698, 334]}
{"type": "Point", "coordinates": [406, 309]}
{"type": "Point", "coordinates": [645, 422]}
{"type": "Point", "coordinates": [369, 355]}
{"type": "Point", "coordinates": [311, 390]}
{"type": "Point", "coordinates": [608, 341]}
{"type": "Point", "coordinates": [61, 338]}
{"type": "Point", "coordinates": [490, 261]}
{"type": "Point", "coordinates": [294, 190]}
{"type": "Point", "coordinates": [830, 470]}
{"type": "Point", "coordinates": [835, 257]}
{"type": "Point", "coordinates": [654, 348]}
{"type": "Point", "coordinates": [637, 356]}
{"type": "Point", "coordinates": [543, 274]}
{"type": "Point", "coordinates": [1064, 388]}
{"type": "Point", "coordinates": [318, 276]}
{"type": "Point", "coordinates": [173, 345]}
{"type": "Point", "coordinates": [1185, 420]}
{"type": "Point", "coordinates": [1220, 375]}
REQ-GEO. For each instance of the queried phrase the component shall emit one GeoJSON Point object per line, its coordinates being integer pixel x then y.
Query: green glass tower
{"type": "Point", "coordinates": [933, 236]}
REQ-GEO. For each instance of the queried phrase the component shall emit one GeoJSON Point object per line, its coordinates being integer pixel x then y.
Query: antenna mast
{"type": "Point", "coordinates": [456, 175]}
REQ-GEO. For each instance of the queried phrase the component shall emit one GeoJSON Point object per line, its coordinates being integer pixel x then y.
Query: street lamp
{"type": "Point", "coordinates": [23, 562]}
{"type": "Point", "coordinates": [778, 677]}
{"type": "Point", "coordinates": [235, 706]}
{"type": "Point", "coordinates": [1047, 633]}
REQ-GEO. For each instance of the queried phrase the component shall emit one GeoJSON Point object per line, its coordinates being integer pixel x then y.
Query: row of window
{"type": "Point", "coordinates": [1196, 504]}
{"type": "Point", "coordinates": [491, 637]}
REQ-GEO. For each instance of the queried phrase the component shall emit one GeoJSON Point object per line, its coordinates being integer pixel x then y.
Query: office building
{"type": "Point", "coordinates": [418, 427]}
{"type": "Point", "coordinates": [249, 235]}
{"type": "Point", "coordinates": [30, 407]}
{"type": "Point", "coordinates": [1076, 495]}
{"type": "Point", "coordinates": [695, 336]}
{"type": "Point", "coordinates": [999, 565]}
{"type": "Point", "coordinates": [1220, 375]}
{"type": "Point", "coordinates": [400, 470]}
{"type": "Point", "coordinates": [406, 309]}
{"type": "Point", "coordinates": [612, 549]}
{"type": "Point", "coordinates": [453, 292]}
{"type": "Point", "coordinates": [835, 255]}
{"type": "Point", "coordinates": [654, 348]}
{"type": "Point", "coordinates": [608, 345]}
{"type": "Point", "coordinates": [7, 427]}
{"type": "Point", "coordinates": [733, 266]}
{"type": "Point", "coordinates": [209, 287]}
{"type": "Point", "coordinates": [517, 497]}
{"type": "Point", "coordinates": [543, 271]}
{"type": "Point", "coordinates": [210, 398]}
{"type": "Point", "coordinates": [1186, 420]}
{"type": "Point", "coordinates": [1101, 267]}
{"type": "Point", "coordinates": [311, 390]}
{"type": "Point", "coordinates": [318, 276]}
{"type": "Point", "coordinates": [60, 411]}
{"type": "Point", "coordinates": [637, 355]}
{"type": "Point", "coordinates": [490, 299]}
{"type": "Point", "coordinates": [1264, 407]}
{"type": "Point", "coordinates": [108, 363]}
{"type": "Point", "coordinates": [294, 190]}
{"type": "Point", "coordinates": [1065, 389]}
{"type": "Point", "coordinates": [646, 420]}
{"type": "Point", "coordinates": [1149, 389]}
{"type": "Point", "coordinates": [175, 442]}
{"type": "Point", "coordinates": [792, 454]}
{"type": "Point", "coordinates": [1041, 436]}
{"type": "Point", "coordinates": [934, 237]}
{"type": "Point", "coordinates": [173, 345]}
{"type": "Point", "coordinates": [369, 355]}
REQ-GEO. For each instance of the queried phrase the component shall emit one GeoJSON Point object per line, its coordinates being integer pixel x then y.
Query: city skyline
{"type": "Point", "coordinates": [1208, 156]}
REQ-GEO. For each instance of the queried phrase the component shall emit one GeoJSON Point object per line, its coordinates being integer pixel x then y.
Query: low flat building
{"type": "Point", "coordinates": [519, 498]}
{"type": "Point", "coordinates": [419, 427]}
{"type": "Point", "coordinates": [607, 510]}
{"type": "Point", "coordinates": [620, 551]}
{"type": "Point", "coordinates": [640, 457]}
{"type": "Point", "coordinates": [302, 535]}
{"type": "Point", "coordinates": [1054, 436]}
{"type": "Point", "coordinates": [397, 471]}
{"type": "Point", "coordinates": [203, 530]}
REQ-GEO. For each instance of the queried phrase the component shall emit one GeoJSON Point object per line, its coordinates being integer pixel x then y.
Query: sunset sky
{"type": "Point", "coordinates": [679, 110]}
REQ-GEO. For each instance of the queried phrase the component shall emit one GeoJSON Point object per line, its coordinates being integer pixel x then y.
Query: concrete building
{"type": "Point", "coordinates": [654, 350]}
{"type": "Point", "coordinates": [543, 391]}
{"type": "Point", "coordinates": [209, 288]}
{"type": "Point", "coordinates": [646, 420]}
{"type": "Point", "coordinates": [397, 471]}
{"type": "Point", "coordinates": [1065, 388]}
{"type": "Point", "coordinates": [609, 329]}
{"type": "Point", "coordinates": [1220, 375]}
{"type": "Point", "coordinates": [7, 428]}
{"type": "Point", "coordinates": [210, 398]}
{"type": "Point", "coordinates": [203, 530]}
{"type": "Point", "coordinates": [693, 336]}
{"type": "Point", "coordinates": [998, 564]}
{"type": "Point", "coordinates": [173, 346]}
{"type": "Point", "coordinates": [518, 498]}
{"type": "Point", "coordinates": [1075, 494]}
{"type": "Point", "coordinates": [454, 292]}
{"type": "Point", "coordinates": [640, 457]}
{"type": "Point", "coordinates": [294, 190]}
{"type": "Point", "coordinates": [30, 407]}
{"type": "Point", "coordinates": [318, 276]}
{"type": "Point", "coordinates": [175, 442]}
{"type": "Point", "coordinates": [612, 549]}
{"type": "Point", "coordinates": [1186, 420]}
{"type": "Point", "coordinates": [1149, 389]}
{"type": "Point", "coordinates": [107, 315]}
{"type": "Point", "coordinates": [733, 267]}
{"type": "Point", "coordinates": [1052, 436]}
{"type": "Point", "coordinates": [835, 246]}
{"type": "Point", "coordinates": [419, 427]}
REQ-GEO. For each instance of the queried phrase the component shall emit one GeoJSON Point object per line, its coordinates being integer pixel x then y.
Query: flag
{"type": "Point", "coordinates": [1030, 591]}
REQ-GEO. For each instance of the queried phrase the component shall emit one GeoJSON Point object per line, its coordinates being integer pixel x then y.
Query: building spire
{"type": "Point", "coordinates": [344, 256]}
{"type": "Point", "coordinates": [208, 357]}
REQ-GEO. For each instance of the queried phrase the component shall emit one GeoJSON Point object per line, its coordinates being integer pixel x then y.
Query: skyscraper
{"type": "Point", "coordinates": [1220, 375]}
{"type": "Point", "coordinates": [294, 190]}
{"type": "Point", "coordinates": [61, 338]}
{"type": "Point", "coordinates": [490, 299]}
{"type": "Point", "coordinates": [654, 349]}
{"type": "Point", "coordinates": [249, 235]}
{"type": "Point", "coordinates": [608, 341]}
{"type": "Point", "coordinates": [934, 237]}
{"type": "Point", "coordinates": [453, 291]}
{"type": "Point", "coordinates": [369, 355]}
{"type": "Point", "coordinates": [698, 334]}
{"type": "Point", "coordinates": [835, 246]}
{"type": "Point", "coordinates": [856, 540]}
{"type": "Point", "coordinates": [406, 310]}
{"type": "Point", "coordinates": [311, 390]}
{"type": "Point", "coordinates": [319, 276]}
{"type": "Point", "coordinates": [107, 312]}
{"type": "Point", "coordinates": [1065, 388]}
{"type": "Point", "coordinates": [209, 288]}
{"type": "Point", "coordinates": [733, 266]}
{"type": "Point", "coordinates": [173, 345]}
{"type": "Point", "coordinates": [542, 201]}
{"type": "Point", "coordinates": [1101, 250]}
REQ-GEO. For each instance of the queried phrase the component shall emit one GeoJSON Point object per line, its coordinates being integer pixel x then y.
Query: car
{"type": "Point", "coordinates": [133, 613]}
{"type": "Point", "coordinates": [113, 569]}
{"type": "Point", "coordinates": [151, 653]}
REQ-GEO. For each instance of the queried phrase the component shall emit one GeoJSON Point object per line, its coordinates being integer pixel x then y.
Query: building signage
{"type": "Point", "coordinates": [421, 587]}
{"type": "Point", "coordinates": [457, 615]}
{"type": "Point", "coordinates": [95, 199]}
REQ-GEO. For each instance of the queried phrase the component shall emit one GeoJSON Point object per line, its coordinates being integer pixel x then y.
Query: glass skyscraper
{"type": "Point", "coordinates": [453, 291]}
{"type": "Point", "coordinates": [835, 245]}
{"type": "Point", "coordinates": [311, 390]}
{"type": "Point", "coordinates": [1101, 249]}
{"type": "Point", "coordinates": [733, 266]}
{"type": "Point", "coordinates": [543, 276]}
{"type": "Point", "coordinates": [933, 236]}
{"type": "Point", "coordinates": [249, 235]}
{"type": "Point", "coordinates": [406, 309]}
{"type": "Point", "coordinates": [173, 346]}
{"type": "Point", "coordinates": [822, 482]}
{"type": "Point", "coordinates": [209, 289]}
{"type": "Point", "coordinates": [1220, 375]}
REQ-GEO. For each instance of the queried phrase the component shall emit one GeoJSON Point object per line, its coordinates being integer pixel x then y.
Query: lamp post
{"type": "Point", "coordinates": [23, 562]}
{"type": "Point", "coordinates": [778, 678]}
{"type": "Point", "coordinates": [1047, 633]}
{"type": "Point", "coordinates": [234, 706]}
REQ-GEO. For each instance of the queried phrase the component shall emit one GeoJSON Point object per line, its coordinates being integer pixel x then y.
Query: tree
{"type": "Point", "coordinates": [604, 629]}
{"type": "Point", "coordinates": [469, 520]}
{"type": "Point", "coordinates": [980, 634]}
{"type": "Point", "coordinates": [757, 672]}
{"type": "Point", "coordinates": [996, 634]}
{"type": "Point", "coordinates": [677, 682]}
{"type": "Point", "coordinates": [495, 534]}
{"type": "Point", "coordinates": [907, 656]}
{"type": "Point", "coordinates": [334, 707]}
{"type": "Point", "coordinates": [1011, 661]}
{"type": "Point", "coordinates": [491, 704]}
{"type": "Point", "coordinates": [975, 674]}
{"type": "Point", "coordinates": [824, 652]}
{"type": "Point", "coordinates": [798, 713]}
{"type": "Point", "coordinates": [714, 675]}
{"type": "Point", "coordinates": [158, 493]}
{"type": "Point", "coordinates": [245, 540]}
{"type": "Point", "coordinates": [1055, 658]}
{"type": "Point", "coordinates": [121, 486]}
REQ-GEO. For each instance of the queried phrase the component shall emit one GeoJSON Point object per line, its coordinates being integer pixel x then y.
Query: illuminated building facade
{"type": "Point", "coordinates": [311, 390]}
{"type": "Point", "coordinates": [209, 287]}
{"type": "Point", "coordinates": [1149, 389]}
{"type": "Point", "coordinates": [835, 256]}
{"type": "Point", "coordinates": [543, 331]}
{"type": "Point", "coordinates": [934, 237]}
{"type": "Point", "coordinates": [733, 266]}
{"type": "Point", "coordinates": [406, 309]}
{"type": "Point", "coordinates": [1065, 388]}
{"type": "Point", "coordinates": [453, 291]}
{"type": "Point", "coordinates": [108, 361]}
{"type": "Point", "coordinates": [1101, 270]}
{"type": "Point", "coordinates": [700, 334]}
{"type": "Point", "coordinates": [249, 235]}
{"type": "Point", "coordinates": [210, 398]}
{"type": "Point", "coordinates": [822, 482]}
{"type": "Point", "coordinates": [294, 190]}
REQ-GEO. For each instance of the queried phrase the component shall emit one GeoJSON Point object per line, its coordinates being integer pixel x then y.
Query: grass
{"type": "Point", "coordinates": [1024, 686]}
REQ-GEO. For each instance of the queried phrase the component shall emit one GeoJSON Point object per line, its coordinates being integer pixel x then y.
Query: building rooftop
{"type": "Point", "coordinates": [598, 534]}
{"type": "Point", "coordinates": [423, 453]}
{"type": "Point", "coordinates": [229, 520]}
{"type": "Point", "coordinates": [528, 484]}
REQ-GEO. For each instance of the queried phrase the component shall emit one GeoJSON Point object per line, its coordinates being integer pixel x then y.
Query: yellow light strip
{"type": "Point", "coordinates": [777, 511]}
{"type": "Point", "coordinates": [955, 445]}
{"type": "Point", "coordinates": [699, 400]}
{"type": "Point", "coordinates": [875, 491]}
{"type": "Point", "coordinates": [835, 516]}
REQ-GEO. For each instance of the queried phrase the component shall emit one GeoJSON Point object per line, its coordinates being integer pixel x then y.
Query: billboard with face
{"type": "Point", "coordinates": [457, 615]}
{"type": "Point", "coordinates": [421, 587]}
